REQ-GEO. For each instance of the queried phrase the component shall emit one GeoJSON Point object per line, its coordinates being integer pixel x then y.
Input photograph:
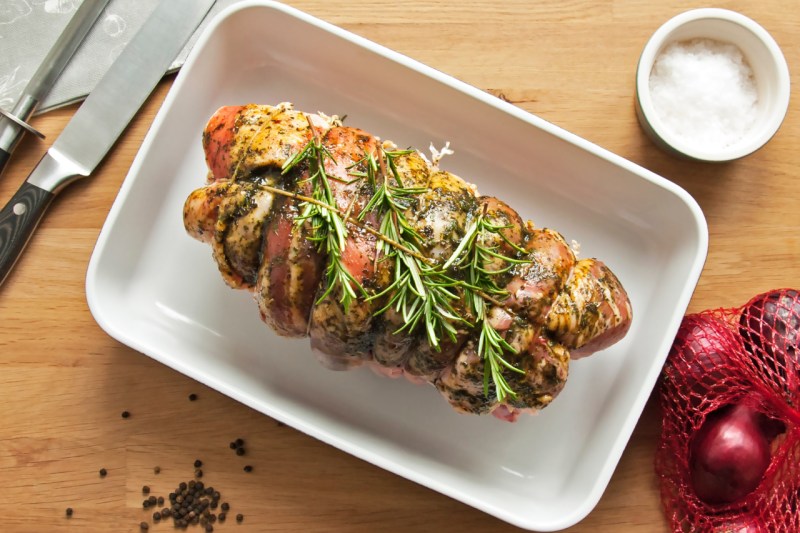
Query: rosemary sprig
{"type": "Point", "coordinates": [473, 256]}
{"type": "Point", "coordinates": [328, 228]}
{"type": "Point", "coordinates": [420, 292]}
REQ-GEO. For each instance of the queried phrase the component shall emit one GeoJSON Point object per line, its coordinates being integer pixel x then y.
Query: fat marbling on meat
{"type": "Point", "coordinates": [549, 307]}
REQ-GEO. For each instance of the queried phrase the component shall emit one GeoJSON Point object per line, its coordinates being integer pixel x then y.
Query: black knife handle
{"type": "Point", "coordinates": [4, 155]}
{"type": "Point", "coordinates": [18, 219]}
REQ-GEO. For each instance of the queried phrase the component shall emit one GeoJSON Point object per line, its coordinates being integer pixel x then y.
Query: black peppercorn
{"type": "Point", "coordinates": [157, 469]}
{"type": "Point", "coordinates": [225, 506]}
{"type": "Point", "coordinates": [248, 468]}
{"type": "Point", "coordinates": [69, 511]}
{"type": "Point", "coordinates": [192, 503]}
{"type": "Point", "coordinates": [198, 463]}
{"type": "Point", "coordinates": [198, 473]}
{"type": "Point", "coordinates": [240, 451]}
{"type": "Point", "coordinates": [103, 472]}
{"type": "Point", "coordinates": [126, 414]}
{"type": "Point", "coordinates": [239, 517]}
{"type": "Point", "coordinates": [145, 489]}
{"type": "Point", "coordinates": [143, 526]}
{"type": "Point", "coordinates": [192, 397]}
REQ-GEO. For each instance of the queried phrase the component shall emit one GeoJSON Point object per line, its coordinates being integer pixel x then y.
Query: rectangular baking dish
{"type": "Point", "coordinates": [158, 291]}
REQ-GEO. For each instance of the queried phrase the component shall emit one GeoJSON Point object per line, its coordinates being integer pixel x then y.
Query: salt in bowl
{"type": "Point", "coordinates": [696, 99]}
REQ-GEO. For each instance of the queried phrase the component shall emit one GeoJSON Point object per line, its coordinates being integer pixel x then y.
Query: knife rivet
{"type": "Point", "coordinates": [19, 208]}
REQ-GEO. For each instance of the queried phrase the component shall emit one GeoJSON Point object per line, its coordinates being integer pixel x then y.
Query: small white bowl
{"type": "Point", "coordinates": [761, 53]}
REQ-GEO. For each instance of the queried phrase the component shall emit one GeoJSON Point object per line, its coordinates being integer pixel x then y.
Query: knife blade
{"type": "Point", "coordinates": [99, 121]}
{"type": "Point", "coordinates": [13, 124]}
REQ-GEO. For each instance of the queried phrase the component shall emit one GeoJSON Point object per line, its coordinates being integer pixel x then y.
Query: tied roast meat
{"type": "Point", "coordinates": [552, 305]}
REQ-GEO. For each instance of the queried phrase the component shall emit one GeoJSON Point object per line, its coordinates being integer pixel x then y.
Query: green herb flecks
{"type": "Point", "coordinates": [420, 292]}
{"type": "Point", "coordinates": [328, 228]}
{"type": "Point", "coordinates": [473, 256]}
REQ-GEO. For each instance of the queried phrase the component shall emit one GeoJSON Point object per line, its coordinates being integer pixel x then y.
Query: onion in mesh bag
{"type": "Point", "coordinates": [739, 360]}
{"type": "Point", "coordinates": [770, 327]}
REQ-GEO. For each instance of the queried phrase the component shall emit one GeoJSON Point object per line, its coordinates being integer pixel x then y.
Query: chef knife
{"type": "Point", "coordinates": [99, 121]}
{"type": "Point", "coordinates": [13, 124]}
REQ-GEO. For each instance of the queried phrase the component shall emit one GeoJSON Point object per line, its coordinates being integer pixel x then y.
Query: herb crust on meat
{"type": "Point", "coordinates": [384, 259]}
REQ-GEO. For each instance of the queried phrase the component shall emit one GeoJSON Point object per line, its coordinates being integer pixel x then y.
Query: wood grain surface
{"type": "Point", "coordinates": [64, 383]}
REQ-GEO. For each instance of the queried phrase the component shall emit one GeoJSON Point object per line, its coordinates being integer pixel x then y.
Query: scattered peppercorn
{"type": "Point", "coordinates": [225, 507]}
{"type": "Point", "coordinates": [239, 517]}
{"type": "Point", "coordinates": [160, 501]}
{"type": "Point", "coordinates": [198, 473]}
{"type": "Point", "coordinates": [69, 511]}
{"type": "Point", "coordinates": [198, 463]}
{"type": "Point", "coordinates": [126, 414]}
{"type": "Point", "coordinates": [209, 528]}
{"type": "Point", "coordinates": [222, 516]}
{"type": "Point", "coordinates": [145, 489]}
{"type": "Point", "coordinates": [103, 472]}
{"type": "Point", "coordinates": [143, 526]}
{"type": "Point", "coordinates": [233, 445]}
{"type": "Point", "coordinates": [157, 516]}
{"type": "Point", "coordinates": [248, 468]}
{"type": "Point", "coordinates": [157, 469]}
{"type": "Point", "coordinates": [240, 451]}
{"type": "Point", "coordinates": [192, 397]}
{"type": "Point", "coordinates": [239, 442]}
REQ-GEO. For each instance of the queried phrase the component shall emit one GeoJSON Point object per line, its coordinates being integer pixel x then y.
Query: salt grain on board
{"type": "Point", "coordinates": [704, 92]}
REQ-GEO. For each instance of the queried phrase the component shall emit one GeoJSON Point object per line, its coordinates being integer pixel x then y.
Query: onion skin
{"type": "Point", "coordinates": [749, 525]}
{"type": "Point", "coordinates": [701, 351]}
{"type": "Point", "coordinates": [770, 327]}
{"type": "Point", "coordinates": [729, 455]}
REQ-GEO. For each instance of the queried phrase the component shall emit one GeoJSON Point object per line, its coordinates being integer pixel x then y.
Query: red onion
{"type": "Point", "coordinates": [701, 350]}
{"type": "Point", "coordinates": [770, 327]}
{"type": "Point", "coordinates": [729, 455]}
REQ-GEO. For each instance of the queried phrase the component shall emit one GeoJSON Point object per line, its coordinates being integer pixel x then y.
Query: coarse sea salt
{"type": "Point", "coordinates": [704, 92]}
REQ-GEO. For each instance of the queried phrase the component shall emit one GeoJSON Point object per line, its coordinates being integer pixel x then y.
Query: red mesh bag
{"type": "Point", "coordinates": [744, 359]}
